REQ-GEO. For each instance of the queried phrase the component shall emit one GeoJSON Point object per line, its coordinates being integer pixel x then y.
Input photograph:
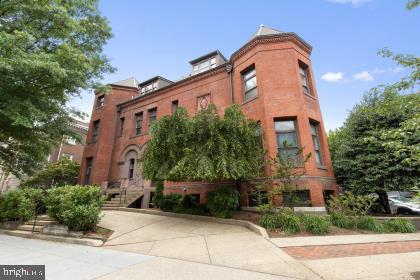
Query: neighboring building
{"type": "Point", "coordinates": [270, 77]}
{"type": "Point", "coordinates": [71, 147]}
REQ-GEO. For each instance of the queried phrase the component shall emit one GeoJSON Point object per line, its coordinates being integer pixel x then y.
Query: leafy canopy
{"type": "Point", "coordinates": [49, 51]}
{"type": "Point", "coordinates": [203, 147]}
{"type": "Point", "coordinates": [60, 173]}
{"type": "Point", "coordinates": [378, 147]}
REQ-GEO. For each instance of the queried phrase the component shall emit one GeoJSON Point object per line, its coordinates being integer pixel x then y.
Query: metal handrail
{"type": "Point", "coordinates": [37, 210]}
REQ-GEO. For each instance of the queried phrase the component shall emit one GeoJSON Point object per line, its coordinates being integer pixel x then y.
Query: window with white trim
{"type": "Point", "coordinates": [287, 140]}
{"type": "Point", "coordinates": [316, 142]}
{"type": "Point", "coordinates": [204, 65]}
{"type": "Point", "coordinates": [249, 78]}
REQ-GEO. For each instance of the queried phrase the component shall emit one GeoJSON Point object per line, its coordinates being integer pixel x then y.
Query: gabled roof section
{"type": "Point", "coordinates": [130, 82]}
{"type": "Point", "coordinates": [264, 30]}
{"type": "Point", "coordinates": [154, 79]}
{"type": "Point", "coordinates": [210, 54]}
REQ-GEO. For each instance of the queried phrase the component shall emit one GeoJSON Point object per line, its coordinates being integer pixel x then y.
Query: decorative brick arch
{"type": "Point", "coordinates": [132, 151]}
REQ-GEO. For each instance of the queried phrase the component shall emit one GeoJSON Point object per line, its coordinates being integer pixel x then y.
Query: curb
{"type": "Point", "coordinates": [53, 238]}
{"type": "Point", "coordinates": [253, 227]}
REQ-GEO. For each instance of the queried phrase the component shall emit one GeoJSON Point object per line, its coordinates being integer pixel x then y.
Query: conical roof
{"type": "Point", "coordinates": [264, 30]}
{"type": "Point", "coordinates": [130, 82]}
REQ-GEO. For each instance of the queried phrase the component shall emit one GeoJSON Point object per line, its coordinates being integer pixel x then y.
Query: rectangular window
{"type": "Point", "coordinates": [88, 173]}
{"type": "Point", "coordinates": [287, 142]}
{"type": "Point", "coordinates": [297, 198]}
{"type": "Point", "coordinates": [95, 133]}
{"type": "Point", "coordinates": [121, 127]}
{"type": "Point", "coordinates": [100, 101]}
{"type": "Point", "coordinates": [174, 106]}
{"type": "Point", "coordinates": [303, 72]}
{"type": "Point", "coordinates": [315, 141]}
{"type": "Point", "coordinates": [205, 65]}
{"type": "Point", "coordinates": [131, 168]}
{"type": "Point", "coordinates": [250, 84]}
{"type": "Point", "coordinates": [139, 120]}
{"type": "Point", "coordinates": [67, 155]}
{"type": "Point", "coordinates": [152, 116]}
{"type": "Point", "coordinates": [70, 140]}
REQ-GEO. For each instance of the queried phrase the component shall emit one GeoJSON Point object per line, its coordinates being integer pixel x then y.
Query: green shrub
{"type": "Point", "coordinates": [9, 206]}
{"type": "Point", "coordinates": [369, 223]}
{"type": "Point", "coordinates": [199, 210]}
{"type": "Point", "coordinates": [350, 204]}
{"type": "Point", "coordinates": [158, 194]}
{"type": "Point", "coordinates": [20, 204]}
{"type": "Point", "coordinates": [169, 202]}
{"type": "Point", "coordinates": [222, 202]}
{"type": "Point", "coordinates": [53, 202]}
{"type": "Point", "coordinates": [269, 221]}
{"type": "Point", "coordinates": [78, 207]}
{"type": "Point", "coordinates": [289, 223]}
{"type": "Point", "coordinates": [315, 224]}
{"type": "Point", "coordinates": [189, 201]}
{"type": "Point", "coordinates": [266, 208]}
{"type": "Point", "coordinates": [189, 204]}
{"type": "Point", "coordinates": [285, 221]}
{"type": "Point", "coordinates": [340, 220]}
{"type": "Point", "coordinates": [399, 225]}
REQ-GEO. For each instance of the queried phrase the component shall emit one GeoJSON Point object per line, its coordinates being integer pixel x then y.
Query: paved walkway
{"type": "Point", "coordinates": [69, 261]}
{"type": "Point", "coordinates": [344, 239]}
{"type": "Point", "coordinates": [201, 242]}
{"type": "Point", "coordinates": [351, 250]}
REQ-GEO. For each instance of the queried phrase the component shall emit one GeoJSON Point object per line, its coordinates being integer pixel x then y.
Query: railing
{"type": "Point", "coordinates": [38, 210]}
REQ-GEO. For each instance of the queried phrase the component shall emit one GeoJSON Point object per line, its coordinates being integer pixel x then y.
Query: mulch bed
{"type": "Point", "coordinates": [100, 233]}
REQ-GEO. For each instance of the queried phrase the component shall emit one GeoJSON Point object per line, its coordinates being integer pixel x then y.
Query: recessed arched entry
{"type": "Point", "coordinates": [129, 167]}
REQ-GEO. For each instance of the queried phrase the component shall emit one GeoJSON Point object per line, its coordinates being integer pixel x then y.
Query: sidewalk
{"type": "Point", "coordinates": [370, 256]}
{"type": "Point", "coordinates": [343, 239]}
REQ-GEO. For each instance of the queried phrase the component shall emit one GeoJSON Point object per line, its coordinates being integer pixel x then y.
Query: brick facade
{"type": "Point", "coordinates": [277, 59]}
{"type": "Point", "coordinates": [71, 147]}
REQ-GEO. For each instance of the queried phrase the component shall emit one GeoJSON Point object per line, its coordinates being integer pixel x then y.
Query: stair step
{"type": "Point", "coordinates": [40, 222]}
{"type": "Point", "coordinates": [44, 218]}
{"type": "Point", "coordinates": [19, 233]}
{"type": "Point", "coordinates": [29, 228]}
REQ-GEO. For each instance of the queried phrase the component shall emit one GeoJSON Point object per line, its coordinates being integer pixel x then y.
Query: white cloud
{"type": "Point", "coordinates": [355, 3]}
{"type": "Point", "coordinates": [333, 77]}
{"type": "Point", "coordinates": [363, 76]}
{"type": "Point", "coordinates": [378, 71]}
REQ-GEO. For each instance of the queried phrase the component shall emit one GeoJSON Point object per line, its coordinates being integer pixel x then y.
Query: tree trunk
{"type": "Point", "coordinates": [384, 202]}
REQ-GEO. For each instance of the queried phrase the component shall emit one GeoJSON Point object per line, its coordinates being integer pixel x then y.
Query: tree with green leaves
{"type": "Point", "coordinates": [378, 148]}
{"type": "Point", "coordinates": [49, 51]}
{"type": "Point", "coordinates": [204, 147]}
{"type": "Point", "coordinates": [60, 173]}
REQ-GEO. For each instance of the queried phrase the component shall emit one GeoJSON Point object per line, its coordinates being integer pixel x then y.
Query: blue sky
{"type": "Point", "coordinates": [160, 37]}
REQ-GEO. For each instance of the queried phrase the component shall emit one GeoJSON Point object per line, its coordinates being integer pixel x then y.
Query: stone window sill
{"type": "Point", "coordinates": [247, 101]}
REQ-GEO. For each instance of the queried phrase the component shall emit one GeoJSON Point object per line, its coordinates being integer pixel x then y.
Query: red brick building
{"type": "Point", "coordinates": [71, 147]}
{"type": "Point", "coordinates": [271, 78]}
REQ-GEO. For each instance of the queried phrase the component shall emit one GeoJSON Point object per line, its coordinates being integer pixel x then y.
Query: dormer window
{"type": "Point", "coordinates": [204, 65]}
{"type": "Point", "coordinates": [153, 84]}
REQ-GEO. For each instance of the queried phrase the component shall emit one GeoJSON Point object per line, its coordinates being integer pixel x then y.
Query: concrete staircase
{"type": "Point", "coordinates": [121, 200]}
{"type": "Point", "coordinates": [26, 228]}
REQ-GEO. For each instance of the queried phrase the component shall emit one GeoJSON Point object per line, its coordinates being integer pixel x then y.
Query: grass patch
{"type": "Point", "coordinates": [341, 220]}
{"type": "Point", "coordinates": [370, 224]}
{"type": "Point", "coordinates": [399, 225]}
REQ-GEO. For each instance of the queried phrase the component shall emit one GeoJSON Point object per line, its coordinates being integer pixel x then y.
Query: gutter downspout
{"type": "Point", "coordinates": [229, 69]}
